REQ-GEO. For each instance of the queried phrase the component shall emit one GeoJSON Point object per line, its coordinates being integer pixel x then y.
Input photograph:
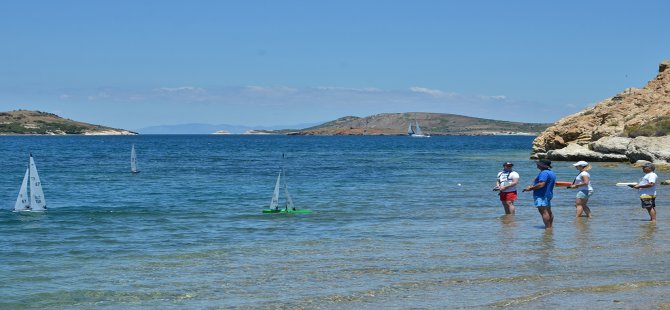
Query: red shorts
{"type": "Point", "coordinates": [508, 196]}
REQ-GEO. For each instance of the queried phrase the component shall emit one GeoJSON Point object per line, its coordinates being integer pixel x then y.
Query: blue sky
{"type": "Point", "coordinates": [133, 64]}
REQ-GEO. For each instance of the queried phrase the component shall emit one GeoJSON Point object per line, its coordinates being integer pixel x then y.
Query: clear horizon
{"type": "Point", "coordinates": [133, 64]}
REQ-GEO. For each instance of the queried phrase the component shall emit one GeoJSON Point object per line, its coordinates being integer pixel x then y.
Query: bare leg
{"type": "Point", "coordinates": [578, 207]}
{"type": "Point", "coordinates": [652, 214]}
{"type": "Point", "coordinates": [512, 210]}
{"type": "Point", "coordinates": [587, 210]}
{"type": "Point", "coordinates": [509, 207]}
{"type": "Point", "coordinates": [547, 217]}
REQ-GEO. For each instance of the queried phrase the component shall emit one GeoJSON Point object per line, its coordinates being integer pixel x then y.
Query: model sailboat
{"type": "Point", "coordinates": [31, 196]}
{"type": "Point", "coordinates": [133, 160]}
{"type": "Point", "coordinates": [289, 207]}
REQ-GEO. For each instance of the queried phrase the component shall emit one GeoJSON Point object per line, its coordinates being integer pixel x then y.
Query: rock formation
{"type": "Point", "coordinates": [611, 130]}
{"type": "Point", "coordinates": [25, 122]}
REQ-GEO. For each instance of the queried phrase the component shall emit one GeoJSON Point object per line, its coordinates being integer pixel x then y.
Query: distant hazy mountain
{"type": "Point", "coordinates": [197, 128]}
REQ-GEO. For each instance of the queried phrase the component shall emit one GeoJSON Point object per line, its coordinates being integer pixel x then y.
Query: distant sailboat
{"type": "Point", "coordinates": [289, 206]}
{"type": "Point", "coordinates": [416, 132]}
{"type": "Point", "coordinates": [133, 160]}
{"type": "Point", "coordinates": [35, 200]}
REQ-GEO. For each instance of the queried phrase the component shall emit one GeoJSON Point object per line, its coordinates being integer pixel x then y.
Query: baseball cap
{"type": "Point", "coordinates": [650, 165]}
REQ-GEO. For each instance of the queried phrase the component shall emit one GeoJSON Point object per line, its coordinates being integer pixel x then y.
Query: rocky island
{"type": "Point", "coordinates": [436, 124]}
{"type": "Point", "coordinates": [631, 126]}
{"type": "Point", "coordinates": [24, 122]}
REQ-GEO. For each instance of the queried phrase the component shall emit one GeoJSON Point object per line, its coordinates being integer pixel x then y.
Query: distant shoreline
{"type": "Point", "coordinates": [270, 134]}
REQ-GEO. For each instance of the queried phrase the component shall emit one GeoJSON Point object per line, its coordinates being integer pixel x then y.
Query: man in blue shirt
{"type": "Point", "coordinates": [543, 191]}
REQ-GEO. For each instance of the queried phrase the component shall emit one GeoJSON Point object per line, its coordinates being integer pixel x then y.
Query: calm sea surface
{"type": "Point", "coordinates": [391, 227]}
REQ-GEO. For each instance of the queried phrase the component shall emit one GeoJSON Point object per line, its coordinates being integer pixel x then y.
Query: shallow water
{"type": "Point", "coordinates": [391, 227]}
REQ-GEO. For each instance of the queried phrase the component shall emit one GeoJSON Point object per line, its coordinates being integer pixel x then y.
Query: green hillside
{"type": "Point", "coordinates": [24, 122]}
{"type": "Point", "coordinates": [431, 123]}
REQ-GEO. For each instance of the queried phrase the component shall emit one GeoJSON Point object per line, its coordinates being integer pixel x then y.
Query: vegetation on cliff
{"type": "Point", "coordinates": [24, 122]}
{"type": "Point", "coordinates": [655, 128]}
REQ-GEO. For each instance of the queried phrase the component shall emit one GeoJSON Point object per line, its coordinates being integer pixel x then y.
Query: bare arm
{"type": "Point", "coordinates": [650, 184]}
{"type": "Point", "coordinates": [514, 182]}
{"type": "Point", "coordinates": [585, 181]}
{"type": "Point", "coordinates": [534, 187]}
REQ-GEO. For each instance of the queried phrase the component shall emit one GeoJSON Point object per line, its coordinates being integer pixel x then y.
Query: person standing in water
{"type": "Point", "coordinates": [506, 183]}
{"type": "Point", "coordinates": [543, 191]}
{"type": "Point", "coordinates": [647, 190]}
{"type": "Point", "coordinates": [583, 184]}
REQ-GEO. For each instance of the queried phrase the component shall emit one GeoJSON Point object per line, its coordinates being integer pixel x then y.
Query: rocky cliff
{"type": "Point", "coordinates": [632, 125]}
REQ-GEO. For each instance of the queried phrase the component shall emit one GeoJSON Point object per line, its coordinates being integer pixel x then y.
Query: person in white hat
{"type": "Point", "coordinates": [582, 183]}
{"type": "Point", "coordinates": [647, 190]}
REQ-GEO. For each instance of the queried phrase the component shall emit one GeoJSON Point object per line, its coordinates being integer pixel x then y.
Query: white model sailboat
{"type": "Point", "coordinates": [133, 160]}
{"type": "Point", "coordinates": [31, 196]}
{"type": "Point", "coordinates": [416, 132]}
{"type": "Point", "coordinates": [289, 207]}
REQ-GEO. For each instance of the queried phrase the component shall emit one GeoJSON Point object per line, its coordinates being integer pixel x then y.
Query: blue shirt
{"type": "Point", "coordinates": [549, 179]}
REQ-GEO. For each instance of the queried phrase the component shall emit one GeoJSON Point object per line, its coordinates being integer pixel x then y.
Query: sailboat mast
{"type": "Point", "coordinates": [289, 201]}
{"type": "Point", "coordinates": [37, 201]}
{"type": "Point", "coordinates": [133, 160]}
{"type": "Point", "coordinates": [274, 204]}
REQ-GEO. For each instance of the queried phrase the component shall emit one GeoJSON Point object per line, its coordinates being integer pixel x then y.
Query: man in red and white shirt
{"type": "Point", "coordinates": [506, 183]}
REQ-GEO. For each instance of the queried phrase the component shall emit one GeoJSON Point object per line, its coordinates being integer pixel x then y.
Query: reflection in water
{"type": "Point", "coordinates": [31, 220]}
{"type": "Point", "coordinates": [583, 232]}
{"type": "Point", "coordinates": [507, 227]}
{"type": "Point", "coordinates": [546, 251]}
{"type": "Point", "coordinates": [508, 220]}
{"type": "Point", "coordinates": [647, 238]}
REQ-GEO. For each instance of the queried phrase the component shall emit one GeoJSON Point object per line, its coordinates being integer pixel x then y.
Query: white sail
{"type": "Point", "coordinates": [418, 133]}
{"type": "Point", "coordinates": [409, 129]}
{"type": "Point", "coordinates": [418, 129]}
{"type": "Point", "coordinates": [133, 160]}
{"type": "Point", "coordinates": [274, 204]}
{"type": "Point", "coordinates": [37, 201]}
{"type": "Point", "coordinates": [22, 203]}
{"type": "Point", "coordinates": [289, 201]}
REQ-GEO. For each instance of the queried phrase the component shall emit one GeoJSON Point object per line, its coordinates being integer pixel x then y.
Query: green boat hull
{"type": "Point", "coordinates": [286, 211]}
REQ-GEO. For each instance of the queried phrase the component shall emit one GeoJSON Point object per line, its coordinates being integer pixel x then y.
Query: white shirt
{"type": "Point", "coordinates": [508, 177]}
{"type": "Point", "coordinates": [648, 192]}
{"type": "Point", "coordinates": [580, 179]}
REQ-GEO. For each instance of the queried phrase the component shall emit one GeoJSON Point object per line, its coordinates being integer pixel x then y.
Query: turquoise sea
{"type": "Point", "coordinates": [391, 228]}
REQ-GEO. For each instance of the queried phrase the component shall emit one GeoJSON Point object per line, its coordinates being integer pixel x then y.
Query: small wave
{"type": "Point", "coordinates": [608, 288]}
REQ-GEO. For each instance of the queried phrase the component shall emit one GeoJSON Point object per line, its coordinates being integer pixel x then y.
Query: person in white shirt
{"type": "Point", "coordinates": [647, 190]}
{"type": "Point", "coordinates": [506, 183]}
{"type": "Point", "coordinates": [583, 184]}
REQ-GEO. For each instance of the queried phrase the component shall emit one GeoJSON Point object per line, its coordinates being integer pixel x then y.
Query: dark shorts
{"type": "Point", "coordinates": [648, 202]}
{"type": "Point", "coordinates": [508, 196]}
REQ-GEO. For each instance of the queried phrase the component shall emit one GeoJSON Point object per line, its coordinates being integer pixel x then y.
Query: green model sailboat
{"type": "Point", "coordinates": [289, 206]}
